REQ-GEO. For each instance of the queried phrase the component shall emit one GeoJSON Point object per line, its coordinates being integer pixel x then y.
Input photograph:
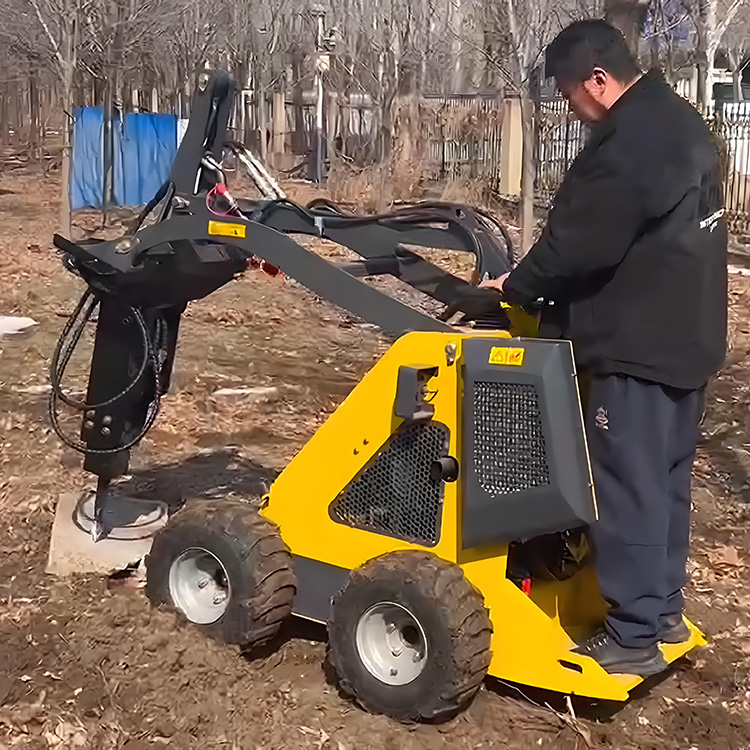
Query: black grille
{"type": "Point", "coordinates": [395, 495]}
{"type": "Point", "coordinates": [509, 449]}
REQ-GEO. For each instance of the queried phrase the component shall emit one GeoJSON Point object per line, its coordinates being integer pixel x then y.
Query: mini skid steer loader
{"type": "Point", "coordinates": [435, 522]}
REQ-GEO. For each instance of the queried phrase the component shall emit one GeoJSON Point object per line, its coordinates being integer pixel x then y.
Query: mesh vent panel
{"type": "Point", "coordinates": [394, 495]}
{"type": "Point", "coordinates": [509, 449]}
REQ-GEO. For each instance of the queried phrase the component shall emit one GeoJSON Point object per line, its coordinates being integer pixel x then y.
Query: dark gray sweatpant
{"type": "Point", "coordinates": [642, 438]}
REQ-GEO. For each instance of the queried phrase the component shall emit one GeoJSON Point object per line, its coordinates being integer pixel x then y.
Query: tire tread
{"type": "Point", "coordinates": [462, 608]}
{"type": "Point", "coordinates": [265, 560]}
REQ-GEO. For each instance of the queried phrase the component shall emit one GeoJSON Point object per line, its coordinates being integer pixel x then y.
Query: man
{"type": "Point", "coordinates": [634, 254]}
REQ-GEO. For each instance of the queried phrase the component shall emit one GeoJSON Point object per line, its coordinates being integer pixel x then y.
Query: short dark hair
{"type": "Point", "coordinates": [584, 45]}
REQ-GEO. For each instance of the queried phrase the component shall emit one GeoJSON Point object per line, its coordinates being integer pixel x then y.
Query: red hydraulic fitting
{"type": "Point", "coordinates": [221, 189]}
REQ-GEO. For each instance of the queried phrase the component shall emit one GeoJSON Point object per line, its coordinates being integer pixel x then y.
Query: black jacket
{"type": "Point", "coordinates": [634, 253]}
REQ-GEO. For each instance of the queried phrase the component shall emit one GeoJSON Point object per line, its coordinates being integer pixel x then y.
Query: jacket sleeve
{"type": "Point", "coordinates": [591, 229]}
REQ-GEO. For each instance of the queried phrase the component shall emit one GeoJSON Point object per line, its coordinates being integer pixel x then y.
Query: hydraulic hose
{"type": "Point", "coordinates": [66, 345]}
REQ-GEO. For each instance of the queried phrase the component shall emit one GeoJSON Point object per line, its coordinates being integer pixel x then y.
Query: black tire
{"type": "Point", "coordinates": [452, 616]}
{"type": "Point", "coordinates": [258, 568]}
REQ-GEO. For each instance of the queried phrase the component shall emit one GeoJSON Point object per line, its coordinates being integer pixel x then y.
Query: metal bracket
{"type": "Point", "coordinates": [411, 392]}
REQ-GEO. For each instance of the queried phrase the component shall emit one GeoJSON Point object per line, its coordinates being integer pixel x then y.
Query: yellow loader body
{"type": "Point", "coordinates": [534, 631]}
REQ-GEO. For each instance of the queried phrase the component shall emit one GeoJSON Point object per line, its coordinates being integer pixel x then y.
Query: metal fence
{"type": "Point", "coordinates": [465, 136]}
{"type": "Point", "coordinates": [464, 141]}
{"type": "Point", "coordinates": [731, 125]}
{"type": "Point", "coordinates": [350, 121]}
{"type": "Point", "coordinates": [467, 142]}
{"type": "Point", "coordinates": [558, 141]}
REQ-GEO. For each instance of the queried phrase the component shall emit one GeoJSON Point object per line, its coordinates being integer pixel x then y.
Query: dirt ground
{"type": "Point", "coordinates": [87, 663]}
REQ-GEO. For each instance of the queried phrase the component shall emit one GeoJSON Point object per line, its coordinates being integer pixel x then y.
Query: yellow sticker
{"type": "Point", "coordinates": [504, 355]}
{"type": "Point", "coordinates": [224, 229]}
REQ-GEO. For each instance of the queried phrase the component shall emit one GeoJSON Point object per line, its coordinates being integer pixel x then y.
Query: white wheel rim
{"type": "Point", "coordinates": [199, 585]}
{"type": "Point", "coordinates": [391, 643]}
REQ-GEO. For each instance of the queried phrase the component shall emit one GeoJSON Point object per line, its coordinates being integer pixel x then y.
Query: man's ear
{"type": "Point", "coordinates": [599, 77]}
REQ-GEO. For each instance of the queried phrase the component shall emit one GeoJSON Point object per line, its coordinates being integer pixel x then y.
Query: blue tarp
{"type": "Point", "coordinates": [144, 149]}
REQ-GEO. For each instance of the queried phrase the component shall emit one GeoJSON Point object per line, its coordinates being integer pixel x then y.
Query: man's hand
{"type": "Point", "coordinates": [497, 283]}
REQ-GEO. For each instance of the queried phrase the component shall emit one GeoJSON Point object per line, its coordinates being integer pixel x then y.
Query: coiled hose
{"type": "Point", "coordinates": [153, 352]}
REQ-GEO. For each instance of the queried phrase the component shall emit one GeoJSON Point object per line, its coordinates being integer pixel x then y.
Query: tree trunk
{"type": "Point", "coordinates": [247, 105]}
{"type": "Point", "coordinates": [527, 174]}
{"type": "Point", "coordinates": [260, 104]}
{"type": "Point", "coordinates": [279, 125]}
{"type": "Point", "coordinates": [708, 42]}
{"type": "Point", "coordinates": [35, 147]}
{"type": "Point", "coordinates": [67, 125]}
{"type": "Point", "coordinates": [737, 84]}
{"type": "Point", "coordinates": [384, 144]}
{"type": "Point", "coordinates": [628, 16]}
{"type": "Point", "coordinates": [19, 116]}
{"type": "Point", "coordinates": [709, 83]}
{"type": "Point", "coordinates": [654, 49]}
{"type": "Point", "coordinates": [240, 110]}
{"type": "Point", "coordinates": [669, 68]}
{"type": "Point", "coordinates": [701, 98]}
{"type": "Point", "coordinates": [3, 116]}
{"type": "Point", "coordinates": [702, 66]}
{"type": "Point", "coordinates": [389, 85]}
{"type": "Point", "coordinates": [108, 135]}
{"type": "Point", "coordinates": [299, 136]}
{"type": "Point", "coordinates": [331, 122]}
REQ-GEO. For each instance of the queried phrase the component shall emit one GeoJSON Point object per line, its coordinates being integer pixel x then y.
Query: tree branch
{"type": "Point", "coordinates": [45, 27]}
{"type": "Point", "coordinates": [671, 26]}
{"type": "Point", "coordinates": [723, 25]}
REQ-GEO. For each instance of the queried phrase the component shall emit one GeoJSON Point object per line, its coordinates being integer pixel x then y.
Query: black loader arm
{"type": "Point", "coordinates": [206, 133]}
{"type": "Point", "coordinates": [141, 283]}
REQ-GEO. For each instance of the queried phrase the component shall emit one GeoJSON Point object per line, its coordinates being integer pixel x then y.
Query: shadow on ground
{"type": "Point", "coordinates": [206, 476]}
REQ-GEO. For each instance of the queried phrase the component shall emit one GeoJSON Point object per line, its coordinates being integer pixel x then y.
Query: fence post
{"type": "Point", "coordinates": [511, 148]}
{"type": "Point", "coordinates": [331, 121]}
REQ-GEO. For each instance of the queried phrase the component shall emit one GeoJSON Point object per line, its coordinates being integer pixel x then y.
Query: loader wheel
{"type": "Point", "coordinates": [409, 637]}
{"type": "Point", "coordinates": [224, 567]}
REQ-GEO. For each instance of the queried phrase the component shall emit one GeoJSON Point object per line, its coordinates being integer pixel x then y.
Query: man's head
{"type": "Point", "coordinates": [593, 67]}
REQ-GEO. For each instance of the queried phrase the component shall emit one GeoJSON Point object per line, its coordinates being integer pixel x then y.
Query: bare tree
{"type": "Point", "coordinates": [59, 26]}
{"type": "Point", "coordinates": [736, 44]}
{"type": "Point", "coordinates": [712, 18]}
{"type": "Point", "coordinates": [667, 37]}
{"type": "Point", "coordinates": [145, 53]}
{"type": "Point", "coordinates": [523, 28]}
{"type": "Point", "coordinates": [629, 17]}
